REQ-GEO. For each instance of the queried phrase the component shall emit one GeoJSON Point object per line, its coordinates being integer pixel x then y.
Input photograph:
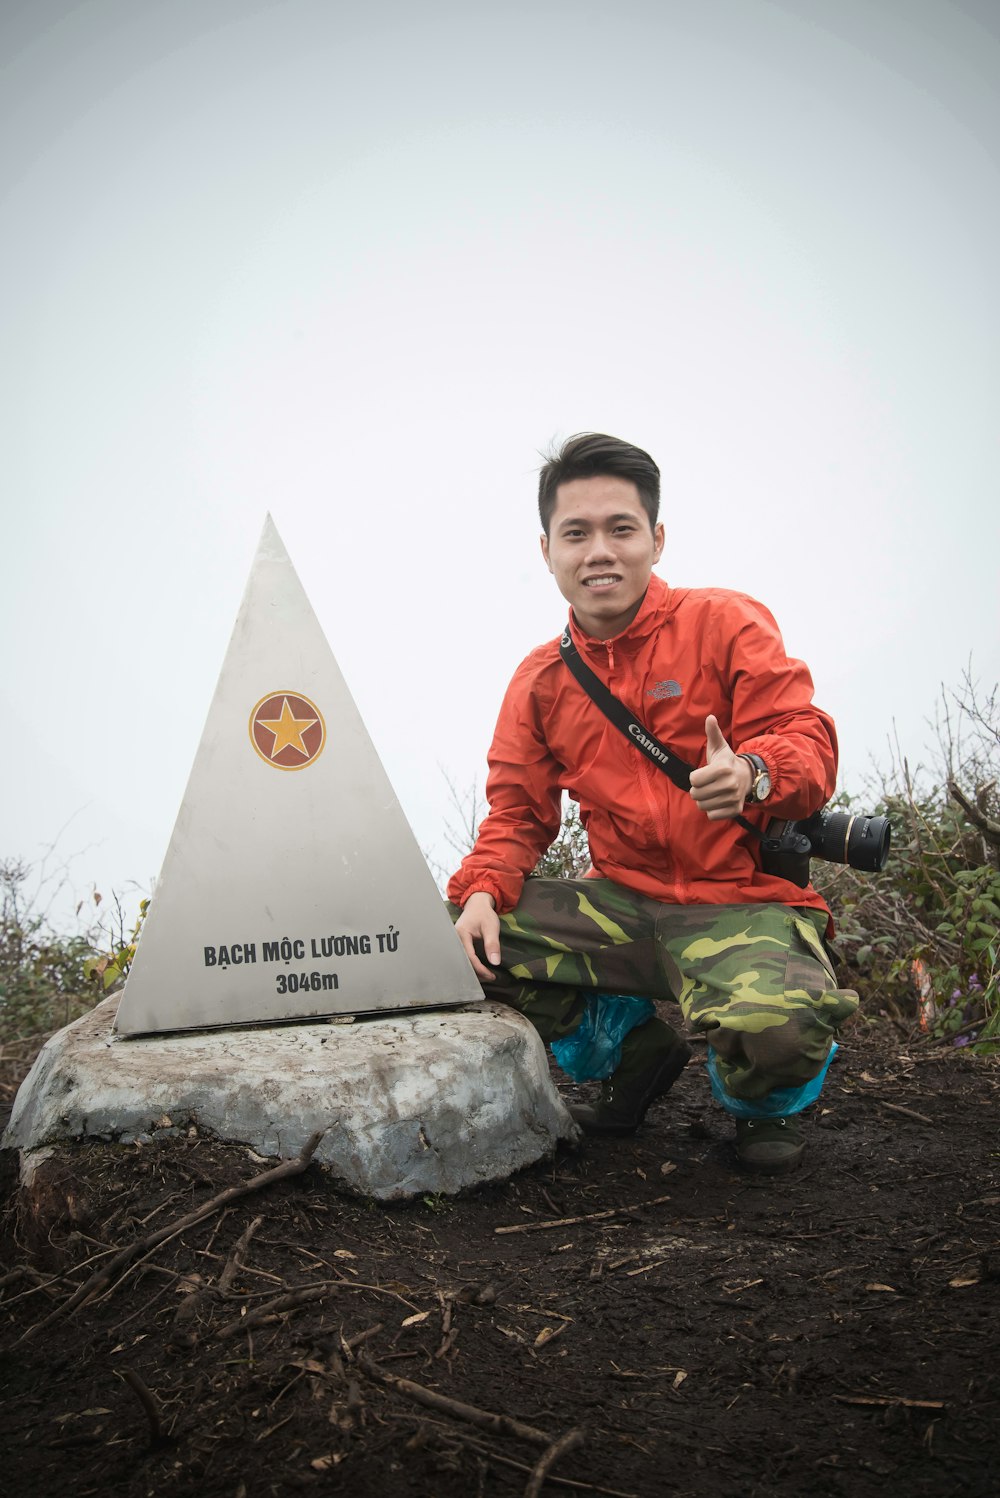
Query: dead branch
{"type": "Point", "coordinates": [989, 829]}
{"type": "Point", "coordinates": [498, 1425]}
{"type": "Point", "coordinates": [103, 1277]}
{"type": "Point", "coordinates": [26, 1272]}
{"type": "Point", "coordinates": [350, 1343]}
{"type": "Point", "coordinates": [559, 1482]}
{"type": "Point", "coordinates": [145, 1398]}
{"type": "Point", "coordinates": [272, 1309]}
{"type": "Point", "coordinates": [569, 1442]}
{"type": "Point", "coordinates": [907, 1112]}
{"type": "Point", "coordinates": [569, 1222]}
{"type": "Point", "coordinates": [235, 1260]}
{"type": "Point", "coordinates": [884, 1400]}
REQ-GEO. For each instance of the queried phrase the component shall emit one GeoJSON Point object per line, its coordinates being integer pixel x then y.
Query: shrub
{"type": "Point", "coordinates": [48, 979]}
{"type": "Point", "coordinates": [926, 931]}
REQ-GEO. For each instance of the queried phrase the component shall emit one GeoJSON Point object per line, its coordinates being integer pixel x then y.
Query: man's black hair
{"type": "Point", "coordinates": [589, 454]}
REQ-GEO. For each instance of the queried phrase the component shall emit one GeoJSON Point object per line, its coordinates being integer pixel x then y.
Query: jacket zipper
{"type": "Point", "coordinates": [647, 776]}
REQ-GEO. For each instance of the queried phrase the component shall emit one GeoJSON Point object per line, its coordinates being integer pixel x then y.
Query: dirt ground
{"type": "Point", "coordinates": [688, 1330]}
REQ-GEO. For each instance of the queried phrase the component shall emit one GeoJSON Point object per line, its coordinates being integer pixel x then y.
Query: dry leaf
{"type": "Point", "coordinates": [679, 1378]}
{"type": "Point", "coordinates": [324, 1463]}
{"type": "Point", "coordinates": [549, 1333]}
{"type": "Point", "coordinates": [640, 1172]}
{"type": "Point", "coordinates": [667, 1167]}
{"type": "Point", "coordinates": [889, 1289]}
{"type": "Point", "coordinates": [963, 1280]}
{"type": "Point", "coordinates": [343, 1253]}
{"type": "Point", "coordinates": [413, 1320]}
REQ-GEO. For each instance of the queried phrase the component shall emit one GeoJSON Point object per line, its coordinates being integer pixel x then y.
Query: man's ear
{"type": "Point", "coordinates": [545, 549]}
{"type": "Point", "coordinates": [658, 539]}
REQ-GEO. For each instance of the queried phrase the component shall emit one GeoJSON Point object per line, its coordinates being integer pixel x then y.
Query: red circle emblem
{"type": "Point", "coordinates": [287, 730]}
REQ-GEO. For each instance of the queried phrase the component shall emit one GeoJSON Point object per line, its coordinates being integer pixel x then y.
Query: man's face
{"type": "Point", "coordinates": [600, 550]}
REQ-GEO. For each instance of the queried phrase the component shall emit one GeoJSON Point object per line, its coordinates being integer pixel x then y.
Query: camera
{"type": "Point", "coordinates": [838, 836]}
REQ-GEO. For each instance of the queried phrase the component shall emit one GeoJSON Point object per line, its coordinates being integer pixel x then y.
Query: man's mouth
{"type": "Point", "coordinates": [606, 580]}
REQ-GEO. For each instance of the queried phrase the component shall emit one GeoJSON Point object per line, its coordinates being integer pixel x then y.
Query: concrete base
{"type": "Point", "coordinates": [411, 1104]}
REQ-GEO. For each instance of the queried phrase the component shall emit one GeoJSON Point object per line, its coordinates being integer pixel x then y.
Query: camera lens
{"type": "Point", "coordinates": [849, 837]}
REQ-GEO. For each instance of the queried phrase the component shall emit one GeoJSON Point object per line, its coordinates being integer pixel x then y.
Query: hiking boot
{"type": "Point", "coordinates": [653, 1057]}
{"type": "Point", "coordinates": [769, 1146]}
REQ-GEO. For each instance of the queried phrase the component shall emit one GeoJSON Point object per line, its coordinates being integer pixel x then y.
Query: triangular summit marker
{"type": "Point", "coordinates": [293, 886]}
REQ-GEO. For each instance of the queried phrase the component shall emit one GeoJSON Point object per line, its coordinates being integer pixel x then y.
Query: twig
{"type": "Point", "coordinates": [271, 1309]}
{"type": "Point", "coordinates": [990, 830]}
{"type": "Point", "coordinates": [559, 1482]}
{"type": "Point", "coordinates": [569, 1442]}
{"type": "Point", "coordinates": [907, 1112]}
{"type": "Point", "coordinates": [26, 1272]}
{"type": "Point", "coordinates": [350, 1343]}
{"type": "Point", "coordinates": [103, 1277]}
{"type": "Point", "coordinates": [569, 1222]}
{"type": "Point", "coordinates": [448, 1332]}
{"type": "Point", "coordinates": [498, 1425]}
{"type": "Point", "coordinates": [890, 1399]}
{"type": "Point", "coordinates": [235, 1261]}
{"type": "Point", "coordinates": [145, 1398]}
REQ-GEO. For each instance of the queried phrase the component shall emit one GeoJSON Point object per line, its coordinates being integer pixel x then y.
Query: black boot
{"type": "Point", "coordinates": [653, 1057]}
{"type": "Point", "coordinates": [769, 1146]}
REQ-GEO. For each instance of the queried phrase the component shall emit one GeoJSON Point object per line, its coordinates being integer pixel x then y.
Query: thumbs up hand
{"type": "Point", "coordinates": [720, 787]}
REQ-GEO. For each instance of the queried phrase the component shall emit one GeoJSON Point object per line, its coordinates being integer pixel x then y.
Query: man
{"type": "Point", "coordinates": [678, 903]}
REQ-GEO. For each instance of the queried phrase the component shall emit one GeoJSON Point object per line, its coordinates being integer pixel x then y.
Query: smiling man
{"type": "Point", "coordinates": [677, 904]}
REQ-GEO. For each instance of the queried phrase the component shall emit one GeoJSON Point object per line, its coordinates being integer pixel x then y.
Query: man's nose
{"type": "Point", "coordinates": [600, 548]}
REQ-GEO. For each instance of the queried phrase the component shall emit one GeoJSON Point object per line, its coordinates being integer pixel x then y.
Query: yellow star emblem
{"type": "Point", "coordinates": [287, 730]}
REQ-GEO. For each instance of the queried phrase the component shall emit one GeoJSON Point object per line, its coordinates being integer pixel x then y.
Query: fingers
{"type": "Point", "coordinates": [479, 921]}
{"type": "Point", "coordinates": [719, 804]}
{"type": "Point", "coordinates": [719, 788]}
{"type": "Point", "coordinates": [714, 736]}
{"type": "Point", "coordinates": [481, 972]}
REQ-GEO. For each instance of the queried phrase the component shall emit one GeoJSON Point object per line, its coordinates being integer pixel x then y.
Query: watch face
{"type": "Point", "coordinates": [762, 786]}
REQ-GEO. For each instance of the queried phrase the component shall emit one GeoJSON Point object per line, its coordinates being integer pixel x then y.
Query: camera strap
{"type": "Point", "coordinates": [637, 733]}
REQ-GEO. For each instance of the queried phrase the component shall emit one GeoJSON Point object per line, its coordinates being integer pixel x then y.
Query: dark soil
{"type": "Point", "coordinates": [831, 1332]}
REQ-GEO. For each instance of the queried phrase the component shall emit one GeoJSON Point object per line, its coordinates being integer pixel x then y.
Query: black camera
{"type": "Point", "coordinates": [838, 836]}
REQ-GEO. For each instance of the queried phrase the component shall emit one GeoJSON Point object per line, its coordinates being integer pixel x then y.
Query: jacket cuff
{"type": "Point", "coordinates": [485, 887]}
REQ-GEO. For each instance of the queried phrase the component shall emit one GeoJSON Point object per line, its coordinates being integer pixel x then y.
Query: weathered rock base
{"type": "Point", "coordinates": [411, 1104]}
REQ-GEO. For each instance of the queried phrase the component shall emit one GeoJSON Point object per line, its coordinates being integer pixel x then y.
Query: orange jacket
{"type": "Point", "coordinates": [687, 653]}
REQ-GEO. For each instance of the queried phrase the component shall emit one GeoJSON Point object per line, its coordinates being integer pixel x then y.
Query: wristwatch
{"type": "Point", "coordinates": [760, 785]}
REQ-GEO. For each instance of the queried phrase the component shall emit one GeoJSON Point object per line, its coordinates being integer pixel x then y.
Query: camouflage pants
{"type": "Point", "coordinates": [755, 978]}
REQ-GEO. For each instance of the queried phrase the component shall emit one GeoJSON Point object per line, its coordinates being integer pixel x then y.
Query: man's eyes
{"type": "Point", "coordinates": [617, 530]}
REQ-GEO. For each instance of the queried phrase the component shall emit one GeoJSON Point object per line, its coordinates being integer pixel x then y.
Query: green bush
{"type": "Point", "coordinates": [925, 933]}
{"type": "Point", "coordinates": [43, 982]}
{"type": "Point", "coordinates": [48, 979]}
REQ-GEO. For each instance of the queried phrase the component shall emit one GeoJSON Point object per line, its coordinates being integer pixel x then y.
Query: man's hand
{"type": "Point", "coordinates": [722, 785]}
{"type": "Point", "coordinates": [479, 921]}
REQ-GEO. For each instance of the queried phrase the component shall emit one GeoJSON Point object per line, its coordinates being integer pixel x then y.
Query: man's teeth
{"type": "Point", "coordinates": [600, 582]}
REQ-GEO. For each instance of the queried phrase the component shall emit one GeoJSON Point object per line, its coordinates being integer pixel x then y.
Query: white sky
{"type": "Point", "coordinates": [356, 264]}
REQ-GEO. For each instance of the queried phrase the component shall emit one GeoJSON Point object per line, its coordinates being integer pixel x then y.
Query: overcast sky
{"type": "Point", "coordinates": [356, 264]}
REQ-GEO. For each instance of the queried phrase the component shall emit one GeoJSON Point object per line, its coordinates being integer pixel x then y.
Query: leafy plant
{"type": "Point", "coordinates": [925, 931]}
{"type": "Point", "coordinates": [47, 978]}
{"type": "Point", "coordinates": [109, 968]}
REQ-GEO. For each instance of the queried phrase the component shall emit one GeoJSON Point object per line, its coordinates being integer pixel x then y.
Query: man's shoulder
{"type": "Point", "coordinates": [537, 662]}
{"type": "Point", "coordinates": [707, 598]}
{"type": "Point", "coordinates": [721, 605]}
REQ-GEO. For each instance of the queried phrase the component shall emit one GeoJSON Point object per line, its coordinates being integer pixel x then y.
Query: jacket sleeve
{"type": "Point", "coordinates": [524, 796]}
{"type": "Point", "coordinates": [773, 715]}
